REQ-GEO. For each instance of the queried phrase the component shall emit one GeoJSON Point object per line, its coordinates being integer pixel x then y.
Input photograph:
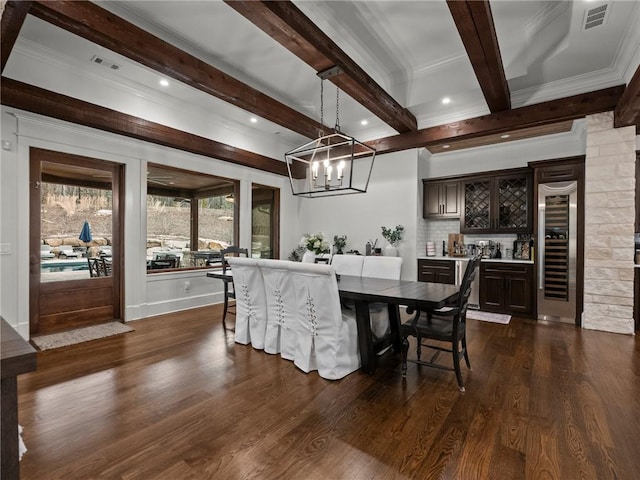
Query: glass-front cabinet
{"type": "Point", "coordinates": [497, 204]}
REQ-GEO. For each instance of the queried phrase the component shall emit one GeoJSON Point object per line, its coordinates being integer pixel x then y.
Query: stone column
{"type": "Point", "coordinates": [609, 225]}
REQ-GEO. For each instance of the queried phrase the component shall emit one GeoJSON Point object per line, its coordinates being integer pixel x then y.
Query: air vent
{"type": "Point", "coordinates": [105, 62]}
{"type": "Point", "coordinates": [595, 17]}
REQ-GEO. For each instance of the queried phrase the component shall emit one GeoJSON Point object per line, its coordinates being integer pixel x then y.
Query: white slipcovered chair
{"type": "Point", "coordinates": [281, 332]}
{"type": "Point", "coordinates": [381, 267]}
{"type": "Point", "coordinates": [327, 338]}
{"type": "Point", "coordinates": [348, 264]}
{"type": "Point", "coordinates": [251, 303]}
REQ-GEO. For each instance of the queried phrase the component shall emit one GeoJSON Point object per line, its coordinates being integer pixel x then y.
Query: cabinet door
{"type": "Point", "coordinates": [441, 199]}
{"type": "Point", "coordinates": [431, 202]}
{"type": "Point", "coordinates": [513, 209]}
{"type": "Point", "coordinates": [476, 216]}
{"type": "Point", "coordinates": [518, 294]}
{"type": "Point", "coordinates": [491, 290]}
{"type": "Point", "coordinates": [446, 276]}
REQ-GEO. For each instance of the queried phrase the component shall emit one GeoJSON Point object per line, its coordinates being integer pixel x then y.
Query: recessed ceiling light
{"type": "Point", "coordinates": [364, 122]}
{"type": "Point", "coordinates": [164, 82]}
{"type": "Point", "coordinates": [253, 120]}
{"type": "Point", "coordinates": [446, 100]}
{"type": "Point", "coordinates": [506, 135]}
{"type": "Point", "coordinates": [446, 146]}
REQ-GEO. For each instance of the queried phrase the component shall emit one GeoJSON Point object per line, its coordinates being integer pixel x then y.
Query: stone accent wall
{"type": "Point", "coordinates": [609, 225]}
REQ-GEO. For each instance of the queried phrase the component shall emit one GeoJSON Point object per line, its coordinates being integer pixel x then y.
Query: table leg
{"type": "Point", "coordinates": [365, 337]}
{"type": "Point", "coordinates": [10, 467]}
{"type": "Point", "coordinates": [394, 325]}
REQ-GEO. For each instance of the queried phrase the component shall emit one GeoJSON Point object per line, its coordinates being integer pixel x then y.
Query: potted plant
{"type": "Point", "coordinates": [393, 237]}
{"type": "Point", "coordinates": [340, 242]}
{"type": "Point", "coordinates": [315, 245]}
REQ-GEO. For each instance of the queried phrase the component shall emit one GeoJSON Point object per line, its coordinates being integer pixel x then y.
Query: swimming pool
{"type": "Point", "coordinates": [52, 266]}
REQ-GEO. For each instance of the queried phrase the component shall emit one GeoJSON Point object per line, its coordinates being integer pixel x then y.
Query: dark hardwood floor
{"type": "Point", "coordinates": [177, 399]}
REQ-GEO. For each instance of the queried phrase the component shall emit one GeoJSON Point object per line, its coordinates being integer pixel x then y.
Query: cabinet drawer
{"type": "Point", "coordinates": [437, 271]}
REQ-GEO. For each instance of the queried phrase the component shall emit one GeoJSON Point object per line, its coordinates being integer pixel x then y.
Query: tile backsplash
{"type": "Point", "coordinates": [438, 231]}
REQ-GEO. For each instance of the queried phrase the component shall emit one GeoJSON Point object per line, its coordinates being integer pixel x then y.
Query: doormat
{"type": "Point", "coordinates": [79, 335]}
{"type": "Point", "coordinates": [489, 317]}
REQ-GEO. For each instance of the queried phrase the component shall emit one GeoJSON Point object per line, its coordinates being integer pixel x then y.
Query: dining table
{"type": "Point", "coordinates": [363, 291]}
{"type": "Point", "coordinates": [416, 296]}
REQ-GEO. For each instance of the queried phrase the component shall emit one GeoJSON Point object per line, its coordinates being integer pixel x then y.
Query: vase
{"type": "Point", "coordinates": [390, 251]}
{"type": "Point", "coordinates": [309, 257]}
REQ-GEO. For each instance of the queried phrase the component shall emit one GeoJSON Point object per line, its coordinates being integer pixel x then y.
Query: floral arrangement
{"type": "Point", "coordinates": [393, 236]}
{"type": "Point", "coordinates": [340, 242]}
{"type": "Point", "coordinates": [316, 243]}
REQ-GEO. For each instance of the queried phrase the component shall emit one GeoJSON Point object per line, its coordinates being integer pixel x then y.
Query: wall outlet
{"type": "Point", "coordinates": [5, 249]}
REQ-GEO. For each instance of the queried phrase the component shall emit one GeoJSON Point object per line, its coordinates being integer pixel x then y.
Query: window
{"type": "Point", "coordinates": [191, 216]}
{"type": "Point", "coordinates": [265, 221]}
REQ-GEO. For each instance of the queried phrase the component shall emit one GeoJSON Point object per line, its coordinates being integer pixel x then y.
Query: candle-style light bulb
{"type": "Point", "coordinates": [340, 169]}
{"type": "Point", "coordinates": [329, 168]}
{"type": "Point", "coordinates": [314, 168]}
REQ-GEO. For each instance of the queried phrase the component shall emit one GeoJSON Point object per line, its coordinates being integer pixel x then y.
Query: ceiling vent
{"type": "Point", "coordinates": [595, 17]}
{"type": "Point", "coordinates": [104, 62]}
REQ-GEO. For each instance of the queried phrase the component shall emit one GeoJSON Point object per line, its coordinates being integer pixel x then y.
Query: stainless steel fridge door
{"type": "Point", "coordinates": [557, 251]}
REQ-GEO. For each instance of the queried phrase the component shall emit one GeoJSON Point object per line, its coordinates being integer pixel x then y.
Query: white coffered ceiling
{"type": "Point", "coordinates": [412, 49]}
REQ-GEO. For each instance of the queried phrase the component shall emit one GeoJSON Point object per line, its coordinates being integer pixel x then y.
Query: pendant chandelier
{"type": "Point", "coordinates": [334, 164]}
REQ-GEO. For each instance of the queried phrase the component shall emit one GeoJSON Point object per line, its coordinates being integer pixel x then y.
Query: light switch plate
{"type": "Point", "coordinates": [5, 248]}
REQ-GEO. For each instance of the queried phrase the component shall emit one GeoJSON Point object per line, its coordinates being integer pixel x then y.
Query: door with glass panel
{"type": "Point", "coordinates": [75, 241]}
{"type": "Point", "coordinates": [265, 221]}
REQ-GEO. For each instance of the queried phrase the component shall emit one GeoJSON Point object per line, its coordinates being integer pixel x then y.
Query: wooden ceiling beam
{"type": "Point", "coordinates": [286, 24]}
{"type": "Point", "coordinates": [627, 111]}
{"type": "Point", "coordinates": [12, 19]}
{"type": "Point", "coordinates": [545, 113]}
{"type": "Point", "coordinates": [99, 26]}
{"type": "Point", "coordinates": [44, 102]}
{"type": "Point", "coordinates": [474, 22]}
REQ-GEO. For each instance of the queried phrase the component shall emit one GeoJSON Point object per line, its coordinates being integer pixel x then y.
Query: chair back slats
{"type": "Point", "coordinates": [232, 251]}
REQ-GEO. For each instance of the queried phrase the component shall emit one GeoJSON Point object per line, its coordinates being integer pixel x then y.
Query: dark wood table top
{"type": "Point", "coordinates": [421, 295]}
{"type": "Point", "coordinates": [18, 356]}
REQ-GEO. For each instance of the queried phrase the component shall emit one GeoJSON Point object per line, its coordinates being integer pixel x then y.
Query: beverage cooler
{"type": "Point", "coordinates": [557, 251]}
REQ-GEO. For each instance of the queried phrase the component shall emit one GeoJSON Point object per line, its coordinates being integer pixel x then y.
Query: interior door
{"type": "Point", "coordinates": [65, 192]}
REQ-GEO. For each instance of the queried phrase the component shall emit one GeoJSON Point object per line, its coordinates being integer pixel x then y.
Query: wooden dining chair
{"type": "Point", "coordinates": [229, 289]}
{"type": "Point", "coordinates": [446, 326]}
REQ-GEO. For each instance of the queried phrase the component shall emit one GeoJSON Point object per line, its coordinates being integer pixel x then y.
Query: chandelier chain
{"type": "Point", "coordinates": [322, 107]}
{"type": "Point", "coordinates": [337, 109]}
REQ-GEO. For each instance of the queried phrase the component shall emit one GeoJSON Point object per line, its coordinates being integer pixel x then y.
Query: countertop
{"type": "Point", "coordinates": [466, 259]}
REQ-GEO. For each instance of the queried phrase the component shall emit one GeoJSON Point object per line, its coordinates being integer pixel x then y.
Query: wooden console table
{"type": "Point", "coordinates": [18, 356]}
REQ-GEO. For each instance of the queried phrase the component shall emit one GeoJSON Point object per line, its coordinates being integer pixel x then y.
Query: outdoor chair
{"type": "Point", "coordinates": [95, 266]}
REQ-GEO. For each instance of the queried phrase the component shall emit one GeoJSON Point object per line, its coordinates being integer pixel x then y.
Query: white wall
{"type": "Point", "coordinates": [144, 294]}
{"type": "Point", "coordinates": [390, 200]}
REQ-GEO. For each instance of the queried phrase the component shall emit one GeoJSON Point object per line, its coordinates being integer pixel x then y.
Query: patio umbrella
{"type": "Point", "coordinates": [85, 233]}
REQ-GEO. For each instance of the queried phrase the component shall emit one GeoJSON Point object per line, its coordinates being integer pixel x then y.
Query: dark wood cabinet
{"type": "Point", "coordinates": [498, 203]}
{"type": "Point", "coordinates": [437, 271]}
{"type": "Point", "coordinates": [507, 288]}
{"type": "Point", "coordinates": [441, 199]}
